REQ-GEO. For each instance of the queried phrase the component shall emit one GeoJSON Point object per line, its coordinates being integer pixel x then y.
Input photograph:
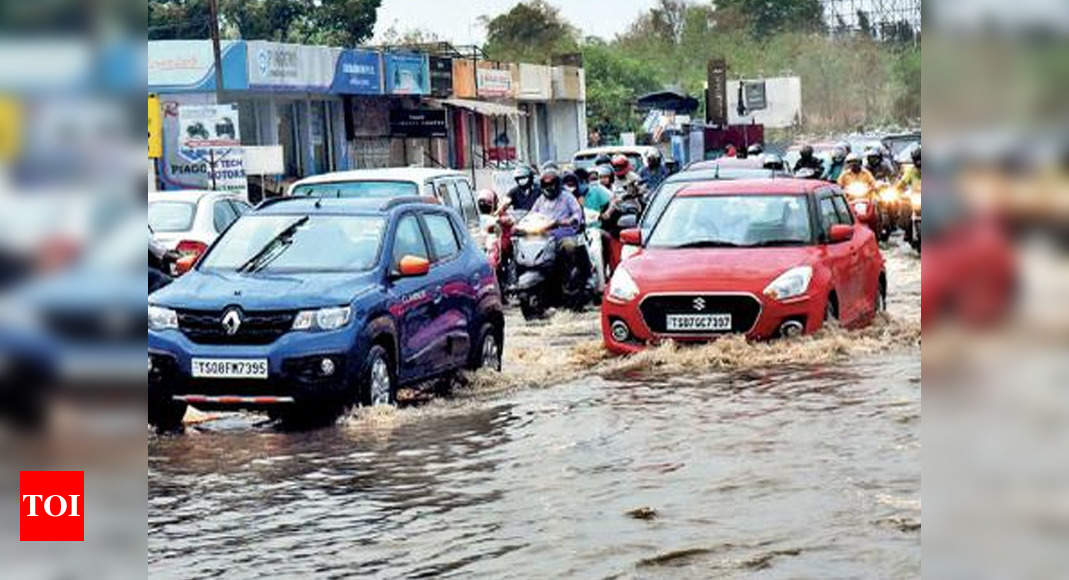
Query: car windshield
{"type": "Point", "coordinates": [171, 216]}
{"type": "Point", "coordinates": [294, 243]}
{"type": "Point", "coordinates": [749, 220]}
{"type": "Point", "coordinates": [358, 189]}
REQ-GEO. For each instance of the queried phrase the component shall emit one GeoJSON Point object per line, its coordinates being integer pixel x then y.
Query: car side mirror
{"type": "Point", "coordinates": [627, 222]}
{"type": "Point", "coordinates": [631, 237]}
{"type": "Point", "coordinates": [184, 264]}
{"type": "Point", "coordinates": [840, 233]}
{"type": "Point", "coordinates": [411, 266]}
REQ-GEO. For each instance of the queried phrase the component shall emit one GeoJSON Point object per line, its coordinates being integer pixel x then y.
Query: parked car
{"type": "Point", "coordinates": [188, 221]}
{"type": "Point", "coordinates": [449, 187]}
{"type": "Point", "coordinates": [636, 154]}
{"type": "Point", "coordinates": [269, 320]}
{"type": "Point", "coordinates": [764, 258]}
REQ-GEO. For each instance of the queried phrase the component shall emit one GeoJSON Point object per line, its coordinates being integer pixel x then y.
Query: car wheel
{"type": "Point", "coordinates": [377, 381]}
{"type": "Point", "coordinates": [531, 306]}
{"type": "Point", "coordinates": [881, 300]}
{"type": "Point", "coordinates": [831, 310]}
{"type": "Point", "coordinates": [163, 414]}
{"type": "Point", "coordinates": [487, 354]}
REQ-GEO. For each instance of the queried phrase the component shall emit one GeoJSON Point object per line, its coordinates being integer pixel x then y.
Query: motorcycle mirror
{"type": "Point", "coordinates": [631, 236]}
{"type": "Point", "coordinates": [185, 264]}
{"type": "Point", "coordinates": [840, 233]}
{"type": "Point", "coordinates": [628, 221]}
{"type": "Point", "coordinates": [410, 266]}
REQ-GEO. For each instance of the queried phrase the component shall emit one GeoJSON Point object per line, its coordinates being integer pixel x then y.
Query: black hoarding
{"type": "Point", "coordinates": [441, 76]}
{"type": "Point", "coordinates": [417, 123]}
{"type": "Point", "coordinates": [716, 96]}
{"type": "Point", "coordinates": [754, 93]}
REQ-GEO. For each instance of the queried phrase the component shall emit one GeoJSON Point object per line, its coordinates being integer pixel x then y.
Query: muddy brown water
{"type": "Point", "coordinates": [790, 459]}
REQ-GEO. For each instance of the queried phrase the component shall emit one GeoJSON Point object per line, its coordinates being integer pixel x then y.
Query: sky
{"type": "Point", "coordinates": [456, 21]}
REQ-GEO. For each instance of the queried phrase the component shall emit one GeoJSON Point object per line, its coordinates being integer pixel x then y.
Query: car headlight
{"type": "Point", "coordinates": [793, 282]}
{"type": "Point", "coordinates": [622, 287]}
{"type": "Point", "coordinates": [160, 318]}
{"type": "Point", "coordinates": [323, 318]}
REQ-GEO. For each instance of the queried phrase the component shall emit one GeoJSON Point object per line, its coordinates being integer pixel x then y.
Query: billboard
{"type": "Point", "coordinates": [782, 102]}
{"type": "Point", "coordinates": [418, 123]}
{"type": "Point", "coordinates": [209, 152]}
{"type": "Point", "coordinates": [441, 76]}
{"type": "Point", "coordinates": [493, 82]}
{"type": "Point", "coordinates": [407, 74]}
{"type": "Point", "coordinates": [188, 66]}
{"type": "Point", "coordinates": [357, 72]}
{"type": "Point", "coordinates": [275, 66]}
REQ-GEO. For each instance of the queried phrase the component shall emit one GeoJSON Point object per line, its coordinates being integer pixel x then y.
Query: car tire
{"type": "Point", "coordinates": [532, 307]}
{"type": "Point", "coordinates": [831, 310]}
{"type": "Point", "coordinates": [487, 351]}
{"type": "Point", "coordinates": [378, 383]}
{"type": "Point", "coordinates": [165, 415]}
{"type": "Point", "coordinates": [880, 304]}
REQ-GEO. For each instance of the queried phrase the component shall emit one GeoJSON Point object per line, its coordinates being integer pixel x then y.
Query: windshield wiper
{"type": "Point", "coordinates": [255, 261]}
{"type": "Point", "coordinates": [782, 242]}
{"type": "Point", "coordinates": [707, 244]}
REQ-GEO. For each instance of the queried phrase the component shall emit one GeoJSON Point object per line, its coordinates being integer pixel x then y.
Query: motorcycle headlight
{"type": "Point", "coordinates": [915, 200]}
{"type": "Point", "coordinates": [322, 319]}
{"type": "Point", "coordinates": [160, 318]}
{"type": "Point", "coordinates": [888, 195]}
{"type": "Point", "coordinates": [792, 283]}
{"type": "Point", "coordinates": [622, 288]}
{"type": "Point", "coordinates": [857, 189]}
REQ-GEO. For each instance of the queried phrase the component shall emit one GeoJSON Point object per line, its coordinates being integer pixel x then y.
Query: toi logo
{"type": "Point", "coordinates": [51, 506]}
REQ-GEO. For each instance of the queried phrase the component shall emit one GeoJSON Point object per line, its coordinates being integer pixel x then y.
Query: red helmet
{"type": "Point", "coordinates": [621, 166]}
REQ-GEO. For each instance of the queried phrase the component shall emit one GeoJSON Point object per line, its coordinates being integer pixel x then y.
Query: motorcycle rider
{"type": "Point", "coordinates": [912, 175]}
{"type": "Point", "coordinates": [808, 160]}
{"type": "Point", "coordinates": [487, 201]}
{"type": "Point", "coordinates": [856, 173]}
{"type": "Point", "coordinates": [625, 180]}
{"type": "Point", "coordinates": [654, 172]}
{"type": "Point", "coordinates": [773, 162]}
{"type": "Point", "coordinates": [524, 195]}
{"type": "Point", "coordinates": [838, 163]}
{"type": "Point", "coordinates": [602, 159]}
{"type": "Point", "coordinates": [566, 220]}
{"type": "Point", "coordinates": [878, 166]}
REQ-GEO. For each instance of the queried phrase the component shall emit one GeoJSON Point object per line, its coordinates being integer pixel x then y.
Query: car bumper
{"type": "Point", "coordinates": [294, 361]}
{"type": "Point", "coordinates": [807, 311]}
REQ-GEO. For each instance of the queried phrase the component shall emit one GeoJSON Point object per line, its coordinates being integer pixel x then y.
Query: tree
{"type": "Point", "coordinates": [614, 82]}
{"type": "Point", "coordinates": [175, 19]}
{"type": "Point", "coordinates": [342, 22]}
{"type": "Point", "coordinates": [531, 31]}
{"type": "Point", "coordinates": [768, 17]}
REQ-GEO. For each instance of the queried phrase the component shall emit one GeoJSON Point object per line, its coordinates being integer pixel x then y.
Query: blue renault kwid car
{"type": "Point", "coordinates": [305, 306]}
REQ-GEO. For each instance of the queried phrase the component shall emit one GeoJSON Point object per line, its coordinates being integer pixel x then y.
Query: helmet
{"type": "Point", "coordinates": [604, 171]}
{"type": "Point", "coordinates": [569, 179]}
{"type": "Point", "coordinates": [772, 161]}
{"type": "Point", "coordinates": [915, 155]}
{"type": "Point", "coordinates": [755, 149]}
{"type": "Point", "coordinates": [621, 166]}
{"type": "Point", "coordinates": [807, 151]}
{"type": "Point", "coordinates": [582, 175]}
{"type": "Point", "coordinates": [523, 175]}
{"type": "Point", "coordinates": [654, 159]}
{"type": "Point", "coordinates": [551, 182]}
{"type": "Point", "coordinates": [487, 201]}
{"type": "Point", "coordinates": [838, 154]}
{"type": "Point", "coordinates": [548, 165]}
{"type": "Point", "coordinates": [853, 158]}
{"type": "Point", "coordinates": [603, 159]}
{"type": "Point", "coordinates": [873, 157]}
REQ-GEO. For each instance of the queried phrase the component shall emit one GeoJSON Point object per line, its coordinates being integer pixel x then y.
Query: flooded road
{"type": "Point", "coordinates": [795, 458]}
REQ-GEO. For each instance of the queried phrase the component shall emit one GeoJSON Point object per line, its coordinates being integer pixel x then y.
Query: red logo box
{"type": "Point", "coordinates": [52, 506]}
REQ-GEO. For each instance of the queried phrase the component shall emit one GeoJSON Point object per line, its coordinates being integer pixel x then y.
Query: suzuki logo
{"type": "Point", "coordinates": [231, 321]}
{"type": "Point", "coordinates": [699, 303]}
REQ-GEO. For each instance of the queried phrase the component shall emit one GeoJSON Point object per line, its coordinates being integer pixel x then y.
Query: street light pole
{"type": "Point", "coordinates": [216, 51]}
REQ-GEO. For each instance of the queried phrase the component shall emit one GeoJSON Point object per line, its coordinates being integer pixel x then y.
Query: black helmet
{"type": "Point", "coordinates": [569, 178]}
{"type": "Point", "coordinates": [915, 155]}
{"type": "Point", "coordinates": [772, 161]}
{"type": "Point", "coordinates": [873, 156]}
{"type": "Point", "coordinates": [551, 182]}
{"type": "Point", "coordinates": [807, 151]}
{"type": "Point", "coordinates": [754, 149]}
{"type": "Point", "coordinates": [603, 159]}
{"type": "Point", "coordinates": [523, 175]}
{"type": "Point", "coordinates": [653, 160]}
{"type": "Point", "coordinates": [582, 175]}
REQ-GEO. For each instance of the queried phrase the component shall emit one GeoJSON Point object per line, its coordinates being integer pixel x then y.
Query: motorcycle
{"type": "Point", "coordinates": [867, 209]}
{"type": "Point", "coordinates": [915, 219]}
{"type": "Point", "coordinates": [542, 280]}
{"type": "Point", "coordinates": [599, 271]}
{"type": "Point", "coordinates": [628, 204]}
{"type": "Point", "coordinates": [500, 250]}
{"type": "Point", "coordinates": [888, 208]}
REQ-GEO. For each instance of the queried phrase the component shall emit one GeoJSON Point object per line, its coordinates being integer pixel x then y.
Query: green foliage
{"type": "Point", "coordinates": [174, 19]}
{"type": "Point", "coordinates": [768, 17]}
{"type": "Point", "coordinates": [531, 31]}
{"type": "Point", "coordinates": [613, 82]}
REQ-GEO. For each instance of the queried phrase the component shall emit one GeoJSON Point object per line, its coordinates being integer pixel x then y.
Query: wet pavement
{"type": "Point", "coordinates": [794, 458]}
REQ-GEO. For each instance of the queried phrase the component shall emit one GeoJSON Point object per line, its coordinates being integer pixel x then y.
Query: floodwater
{"type": "Point", "coordinates": [793, 459]}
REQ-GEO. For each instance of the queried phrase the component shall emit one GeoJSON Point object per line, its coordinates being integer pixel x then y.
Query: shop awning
{"type": "Point", "coordinates": [482, 107]}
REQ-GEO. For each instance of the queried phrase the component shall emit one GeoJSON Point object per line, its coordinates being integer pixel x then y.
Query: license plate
{"type": "Point", "coordinates": [230, 368]}
{"type": "Point", "coordinates": [698, 322]}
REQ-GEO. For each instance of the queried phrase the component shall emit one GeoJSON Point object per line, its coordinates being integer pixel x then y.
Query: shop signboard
{"type": "Point", "coordinates": [407, 74]}
{"type": "Point", "coordinates": [536, 83]}
{"type": "Point", "coordinates": [418, 123]}
{"type": "Point", "coordinates": [275, 66]}
{"type": "Point", "coordinates": [188, 66]}
{"type": "Point", "coordinates": [209, 148]}
{"type": "Point", "coordinates": [441, 76]}
{"type": "Point", "coordinates": [493, 82]}
{"type": "Point", "coordinates": [357, 72]}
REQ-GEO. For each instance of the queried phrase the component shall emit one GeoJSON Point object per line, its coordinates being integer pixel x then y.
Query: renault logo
{"type": "Point", "coordinates": [699, 303]}
{"type": "Point", "coordinates": [232, 321]}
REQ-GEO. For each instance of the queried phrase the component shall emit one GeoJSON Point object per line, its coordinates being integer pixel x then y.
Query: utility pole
{"type": "Point", "coordinates": [216, 51]}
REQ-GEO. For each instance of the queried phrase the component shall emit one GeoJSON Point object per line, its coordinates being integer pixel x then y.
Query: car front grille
{"type": "Point", "coordinates": [743, 308]}
{"type": "Point", "coordinates": [206, 327]}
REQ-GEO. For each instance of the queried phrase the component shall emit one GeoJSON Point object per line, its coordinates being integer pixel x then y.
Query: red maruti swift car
{"type": "Point", "coordinates": [765, 258]}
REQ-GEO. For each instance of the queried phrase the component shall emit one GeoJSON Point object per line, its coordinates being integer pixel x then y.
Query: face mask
{"type": "Point", "coordinates": [523, 181]}
{"type": "Point", "coordinates": [569, 189]}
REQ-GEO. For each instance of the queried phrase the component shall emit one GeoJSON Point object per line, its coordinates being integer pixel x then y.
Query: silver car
{"type": "Point", "coordinates": [189, 221]}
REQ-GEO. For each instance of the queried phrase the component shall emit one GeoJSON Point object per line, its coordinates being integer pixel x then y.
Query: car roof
{"type": "Point", "coordinates": [416, 174]}
{"type": "Point", "coordinates": [756, 162]}
{"type": "Point", "coordinates": [625, 149]}
{"type": "Point", "coordinates": [752, 186]}
{"type": "Point", "coordinates": [191, 195]}
{"type": "Point", "coordinates": [344, 205]}
{"type": "Point", "coordinates": [725, 173]}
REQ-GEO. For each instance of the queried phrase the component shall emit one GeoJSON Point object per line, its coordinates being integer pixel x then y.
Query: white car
{"type": "Point", "coordinates": [448, 186]}
{"type": "Point", "coordinates": [188, 221]}
{"type": "Point", "coordinates": [636, 154]}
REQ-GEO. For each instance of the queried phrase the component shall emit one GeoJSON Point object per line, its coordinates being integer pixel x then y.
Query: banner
{"type": "Point", "coordinates": [407, 74]}
{"type": "Point", "coordinates": [181, 66]}
{"type": "Point", "coordinates": [274, 66]}
{"type": "Point", "coordinates": [494, 82]}
{"type": "Point", "coordinates": [209, 148]}
{"type": "Point", "coordinates": [441, 76]}
{"type": "Point", "coordinates": [418, 123]}
{"type": "Point", "coordinates": [358, 72]}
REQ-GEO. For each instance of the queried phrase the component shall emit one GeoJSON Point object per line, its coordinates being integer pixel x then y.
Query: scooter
{"type": "Point", "coordinates": [887, 207]}
{"type": "Point", "coordinates": [500, 249]}
{"type": "Point", "coordinates": [915, 219]}
{"type": "Point", "coordinates": [628, 205]}
{"type": "Point", "coordinates": [542, 281]}
{"type": "Point", "coordinates": [599, 271]}
{"type": "Point", "coordinates": [866, 207]}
